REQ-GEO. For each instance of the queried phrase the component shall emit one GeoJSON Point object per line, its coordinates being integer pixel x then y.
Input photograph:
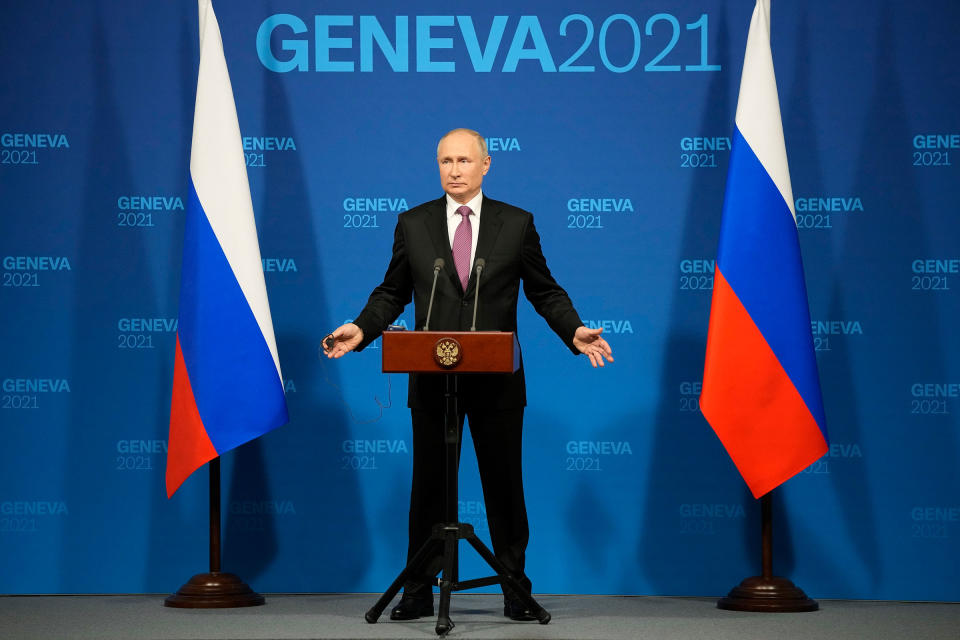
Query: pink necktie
{"type": "Point", "coordinates": [462, 244]}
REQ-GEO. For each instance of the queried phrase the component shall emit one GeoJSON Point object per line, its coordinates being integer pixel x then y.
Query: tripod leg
{"type": "Point", "coordinates": [444, 624]}
{"type": "Point", "coordinates": [415, 566]}
{"type": "Point", "coordinates": [507, 580]}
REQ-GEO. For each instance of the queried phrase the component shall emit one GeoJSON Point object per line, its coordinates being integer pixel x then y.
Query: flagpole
{"type": "Point", "coordinates": [766, 592]}
{"type": "Point", "coordinates": [224, 265]}
{"type": "Point", "coordinates": [214, 468]}
{"type": "Point", "coordinates": [761, 389]}
{"type": "Point", "coordinates": [214, 590]}
{"type": "Point", "coordinates": [766, 536]}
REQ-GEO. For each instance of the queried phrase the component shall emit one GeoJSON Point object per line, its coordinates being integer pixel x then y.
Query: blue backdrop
{"type": "Point", "coordinates": [611, 122]}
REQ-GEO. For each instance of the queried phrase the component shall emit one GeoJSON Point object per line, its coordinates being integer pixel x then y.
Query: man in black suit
{"type": "Point", "coordinates": [460, 227]}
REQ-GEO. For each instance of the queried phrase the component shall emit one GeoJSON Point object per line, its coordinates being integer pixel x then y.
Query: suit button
{"type": "Point", "coordinates": [465, 304]}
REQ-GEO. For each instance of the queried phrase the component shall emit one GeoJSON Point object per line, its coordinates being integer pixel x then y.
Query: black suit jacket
{"type": "Point", "coordinates": [509, 243]}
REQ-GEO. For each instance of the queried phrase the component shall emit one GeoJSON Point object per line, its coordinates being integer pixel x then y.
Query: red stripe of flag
{"type": "Point", "coordinates": [189, 445]}
{"type": "Point", "coordinates": [750, 401]}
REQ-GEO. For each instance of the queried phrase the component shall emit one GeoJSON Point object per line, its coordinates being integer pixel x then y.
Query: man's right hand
{"type": "Point", "coordinates": [345, 339]}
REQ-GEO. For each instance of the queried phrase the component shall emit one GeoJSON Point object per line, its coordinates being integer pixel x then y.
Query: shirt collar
{"type": "Point", "coordinates": [474, 204]}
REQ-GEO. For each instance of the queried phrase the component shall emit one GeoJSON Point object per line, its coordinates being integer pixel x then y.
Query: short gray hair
{"type": "Point", "coordinates": [479, 138]}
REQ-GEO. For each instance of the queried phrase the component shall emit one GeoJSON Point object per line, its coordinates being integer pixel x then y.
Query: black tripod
{"type": "Point", "coordinates": [448, 534]}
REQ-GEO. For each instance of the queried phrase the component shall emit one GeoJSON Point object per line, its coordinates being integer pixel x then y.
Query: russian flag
{"type": "Point", "coordinates": [227, 385]}
{"type": "Point", "coordinates": [761, 389]}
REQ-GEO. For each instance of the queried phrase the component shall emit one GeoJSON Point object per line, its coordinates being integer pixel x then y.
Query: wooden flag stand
{"type": "Point", "coordinates": [214, 589]}
{"type": "Point", "coordinates": [767, 592]}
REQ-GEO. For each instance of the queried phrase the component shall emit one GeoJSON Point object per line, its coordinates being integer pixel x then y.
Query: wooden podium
{"type": "Point", "coordinates": [480, 352]}
{"type": "Point", "coordinates": [452, 353]}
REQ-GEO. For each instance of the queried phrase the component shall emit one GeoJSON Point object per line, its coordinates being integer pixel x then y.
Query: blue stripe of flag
{"type": "Point", "coordinates": [759, 255]}
{"type": "Point", "coordinates": [238, 392]}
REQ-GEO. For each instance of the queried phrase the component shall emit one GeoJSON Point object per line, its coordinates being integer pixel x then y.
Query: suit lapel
{"type": "Point", "coordinates": [437, 228]}
{"type": "Point", "coordinates": [490, 224]}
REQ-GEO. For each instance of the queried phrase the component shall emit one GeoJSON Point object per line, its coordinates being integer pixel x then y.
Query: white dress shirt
{"type": "Point", "coordinates": [454, 219]}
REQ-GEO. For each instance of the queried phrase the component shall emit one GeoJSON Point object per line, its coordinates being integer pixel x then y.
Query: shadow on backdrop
{"type": "Point", "coordinates": [904, 344]}
{"type": "Point", "coordinates": [690, 470]}
{"type": "Point", "coordinates": [113, 280]}
{"type": "Point", "coordinates": [315, 539]}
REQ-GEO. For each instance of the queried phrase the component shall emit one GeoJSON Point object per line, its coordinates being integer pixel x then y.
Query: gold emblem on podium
{"type": "Point", "coordinates": [447, 353]}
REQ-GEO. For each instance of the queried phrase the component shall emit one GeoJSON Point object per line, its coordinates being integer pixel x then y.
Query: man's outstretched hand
{"type": "Point", "coordinates": [588, 341]}
{"type": "Point", "coordinates": [344, 339]}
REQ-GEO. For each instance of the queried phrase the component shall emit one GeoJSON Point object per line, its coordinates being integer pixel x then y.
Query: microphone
{"type": "Point", "coordinates": [480, 264]}
{"type": "Point", "coordinates": [437, 266]}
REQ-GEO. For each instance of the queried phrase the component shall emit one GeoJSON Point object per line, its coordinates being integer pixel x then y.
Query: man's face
{"type": "Point", "coordinates": [461, 167]}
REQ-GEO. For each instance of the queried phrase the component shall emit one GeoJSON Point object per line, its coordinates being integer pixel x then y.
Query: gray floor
{"type": "Point", "coordinates": [476, 616]}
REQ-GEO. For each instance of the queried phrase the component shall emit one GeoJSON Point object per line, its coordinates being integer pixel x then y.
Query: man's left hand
{"type": "Point", "coordinates": [588, 341]}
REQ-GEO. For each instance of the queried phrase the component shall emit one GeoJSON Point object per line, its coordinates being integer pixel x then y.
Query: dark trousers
{"type": "Point", "coordinates": [497, 438]}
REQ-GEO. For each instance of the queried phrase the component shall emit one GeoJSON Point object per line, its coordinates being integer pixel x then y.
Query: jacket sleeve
{"type": "Point", "coordinates": [547, 297]}
{"type": "Point", "coordinates": [387, 301]}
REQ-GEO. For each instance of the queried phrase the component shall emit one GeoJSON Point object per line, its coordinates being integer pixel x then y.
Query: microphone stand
{"type": "Point", "coordinates": [437, 266]}
{"type": "Point", "coordinates": [481, 263]}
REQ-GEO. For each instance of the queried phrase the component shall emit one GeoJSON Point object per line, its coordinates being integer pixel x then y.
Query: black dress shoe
{"type": "Point", "coordinates": [412, 607]}
{"type": "Point", "coordinates": [517, 610]}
